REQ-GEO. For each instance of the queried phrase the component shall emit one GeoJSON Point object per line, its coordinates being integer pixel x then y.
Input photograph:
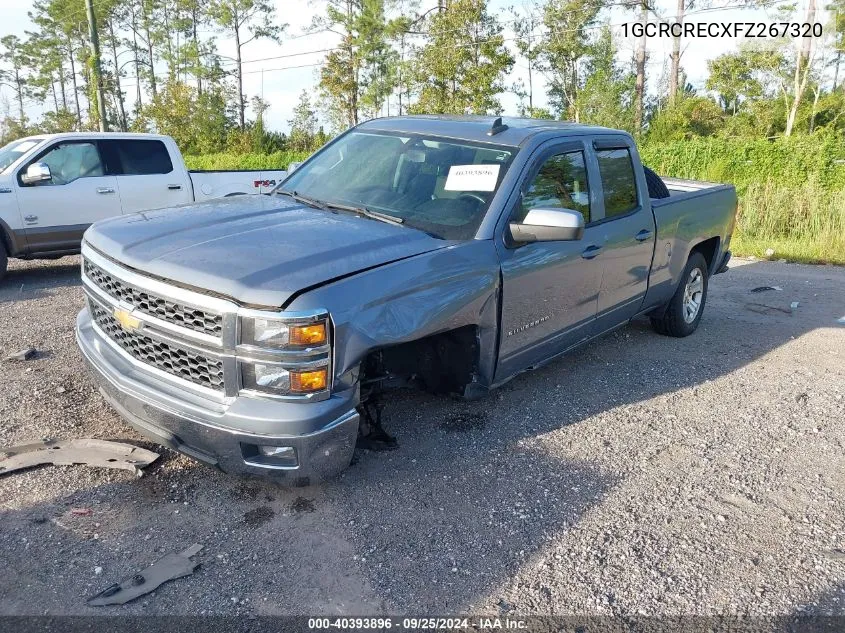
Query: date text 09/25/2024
{"type": "Point", "coordinates": [418, 624]}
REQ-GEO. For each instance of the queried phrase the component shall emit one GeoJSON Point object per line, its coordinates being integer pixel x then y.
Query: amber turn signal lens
{"type": "Point", "coordinates": [314, 334]}
{"type": "Point", "coordinates": [308, 381]}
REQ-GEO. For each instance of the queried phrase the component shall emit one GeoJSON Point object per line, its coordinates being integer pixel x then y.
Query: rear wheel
{"type": "Point", "coordinates": [683, 312]}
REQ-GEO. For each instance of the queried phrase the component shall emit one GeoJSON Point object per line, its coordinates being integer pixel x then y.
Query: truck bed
{"type": "Point", "coordinates": [694, 211]}
{"type": "Point", "coordinates": [216, 183]}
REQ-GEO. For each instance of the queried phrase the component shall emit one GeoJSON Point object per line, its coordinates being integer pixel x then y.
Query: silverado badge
{"type": "Point", "coordinates": [126, 320]}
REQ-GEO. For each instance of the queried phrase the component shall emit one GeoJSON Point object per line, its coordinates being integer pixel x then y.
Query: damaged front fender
{"type": "Point", "coordinates": [435, 292]}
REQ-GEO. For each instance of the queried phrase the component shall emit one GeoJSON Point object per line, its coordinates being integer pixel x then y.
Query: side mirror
{"type": "Point", "coordinates": [35, 173]}
{"type": "Point", "coordinates": [549, 225]}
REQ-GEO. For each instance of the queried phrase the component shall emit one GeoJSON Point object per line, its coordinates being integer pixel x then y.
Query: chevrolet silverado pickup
{"type": "Point", "coordinates": [260, 334]}
{"type": "Point", "coordinates": [54, 186]}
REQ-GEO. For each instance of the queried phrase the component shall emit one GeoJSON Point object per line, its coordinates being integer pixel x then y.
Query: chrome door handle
{"type": "Point", "coordinates": [105, 190]}
{"type": "Point", "coordinates": [591, 251]}
{"type": "Point", "coordinates": [643, 235]}
{"type": "Point", "coordinates": [31, 218]}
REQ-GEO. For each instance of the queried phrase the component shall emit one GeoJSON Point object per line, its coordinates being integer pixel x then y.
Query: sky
{"type": "Point", "coordinates": [279, 73]}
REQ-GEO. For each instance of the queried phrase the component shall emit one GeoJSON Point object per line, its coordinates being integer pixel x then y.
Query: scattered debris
{"type": "Point", "coordinates": [81, 512]}
{"type": "Point", "coordinates": [794, 305]}
{"type": "Point", "coordinates": [766, 288]}
{"type": "Point", "coordinates": [98, 570]}
{"type": "Point", "coordinates": [770, 252]}
{"type": "Point", "coordinates": [169, 567]}
{"type": "Point", "coordinates": [802, 398]}
{"type": "Point", "coordinates": [80, 451]}
{"type": "Point", "coordinates": [24, 354]}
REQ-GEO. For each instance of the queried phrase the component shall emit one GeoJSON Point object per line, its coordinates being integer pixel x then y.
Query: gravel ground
{"type": "Point", "coordinates": [641, 475]}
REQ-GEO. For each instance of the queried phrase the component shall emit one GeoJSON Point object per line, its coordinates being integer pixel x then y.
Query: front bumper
{"type": "Point", "coordinates": [224, 434]}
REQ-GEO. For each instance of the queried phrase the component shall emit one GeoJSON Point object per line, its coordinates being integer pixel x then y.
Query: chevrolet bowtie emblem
{"type": "Point", "coordinates": [126, 320]}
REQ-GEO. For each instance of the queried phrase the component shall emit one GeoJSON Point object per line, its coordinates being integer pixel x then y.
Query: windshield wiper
{"type": "Point", "coordinates": [327, 206]}
{"type": "Point", "coordinates": [311, 202]}
{"type": "Point", "coordinates": [375, 215]}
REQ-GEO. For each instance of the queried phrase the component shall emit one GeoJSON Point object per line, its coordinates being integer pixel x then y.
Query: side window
{"type": "Point", "coordinates": [71, 161]}
{"type": "Point", "coordinates": [617, 179]}
{"type": "Point", "coordinates": [141, 158]}
{"type": "Point", "coordinates": [561, 183]}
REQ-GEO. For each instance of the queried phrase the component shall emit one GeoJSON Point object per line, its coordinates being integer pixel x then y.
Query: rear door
{"type": "Point", "coordinates": [550, 289]}
{"type": "Point", "coordinates": [146, 175]}
{"type": "Point", "coordinates": [627, 234]}
{"type": "Point", "coordinates": [57, 212]}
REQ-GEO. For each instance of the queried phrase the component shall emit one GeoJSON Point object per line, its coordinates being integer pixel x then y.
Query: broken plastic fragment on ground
{"type": "Point", "coordinates": [766, 288]}
{"type": "Point", "coordinates": [86, 451]}
{"type": "Point", "coordinates": [169, 567]}
{"type": "Point", "coordinates": [24, 354]}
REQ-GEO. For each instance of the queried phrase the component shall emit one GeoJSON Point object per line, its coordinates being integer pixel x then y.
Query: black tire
{"type": "Point", "coordinates": [4, 261]}
{"type": "Point", "coordinates": [674, 321]}
{"type": "Point", "coordinates": [656, 187]}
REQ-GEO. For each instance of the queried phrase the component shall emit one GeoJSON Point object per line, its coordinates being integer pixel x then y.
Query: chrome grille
{"type": "Point", "coordinates": [178, 362]}
{"type": "Point", "coordinates": [175, 313]}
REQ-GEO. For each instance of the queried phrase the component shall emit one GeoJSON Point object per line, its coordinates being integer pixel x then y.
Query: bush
{"type": "Point", "coordinates": [227, 161]}
{"type": "Point", "coordinates": [744, 162]}
{"type": "Point", "coordinates": [791, 190]}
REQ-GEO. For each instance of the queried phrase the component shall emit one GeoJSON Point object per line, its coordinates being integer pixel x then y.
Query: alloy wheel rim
{"type": "Point", "coordinates": [693, 294]}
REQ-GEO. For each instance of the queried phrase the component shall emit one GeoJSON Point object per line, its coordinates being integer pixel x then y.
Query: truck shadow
{"type": "Point", "coordinates": [477, 489]}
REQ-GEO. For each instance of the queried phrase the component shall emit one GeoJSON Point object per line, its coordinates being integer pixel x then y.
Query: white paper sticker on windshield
{"type": "Point", "coordinates": [472, 178]}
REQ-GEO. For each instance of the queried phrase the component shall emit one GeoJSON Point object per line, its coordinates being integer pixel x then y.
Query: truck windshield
{"type": "Point", "coordinates": [441, 186]}
{"type": "Point", "coordinates": [11, 152]}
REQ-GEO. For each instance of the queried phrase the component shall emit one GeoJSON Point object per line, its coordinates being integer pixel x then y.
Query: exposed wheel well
{"type": "Point", "coordinates": [442, 363]}
{"type": "Point", "coordinates": [708, 248]}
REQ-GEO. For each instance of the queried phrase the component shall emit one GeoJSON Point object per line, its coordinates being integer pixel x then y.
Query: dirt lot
{"type": "Point", "coordinates": [641, 475]}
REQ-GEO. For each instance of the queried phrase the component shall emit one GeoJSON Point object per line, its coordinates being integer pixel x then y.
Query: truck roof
{"type": "Point", "coordinates": [98, 135]}
{"type": "Point", "coordinates": [477, 127]}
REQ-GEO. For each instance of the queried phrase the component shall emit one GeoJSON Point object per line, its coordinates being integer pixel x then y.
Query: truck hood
{"type": "Point", "coordinates": [258, 250]}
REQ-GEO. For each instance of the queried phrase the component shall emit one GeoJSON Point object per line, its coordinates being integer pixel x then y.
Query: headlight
{"type": "Point", "coordinates": [285, 354]}
{"type": "Point", "coordinates": [277, 380]}
{"type": "Point", "coordinates": [275, 333]}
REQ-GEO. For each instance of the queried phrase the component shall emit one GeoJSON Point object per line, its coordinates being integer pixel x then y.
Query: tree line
{"type": "Point", "coordinates": [162, 70]}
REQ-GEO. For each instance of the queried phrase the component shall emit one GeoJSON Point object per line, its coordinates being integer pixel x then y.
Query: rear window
{"type": "Point", "coordinates": [617, 179]}
{"type": "Point", "coordinates": [130, 157]}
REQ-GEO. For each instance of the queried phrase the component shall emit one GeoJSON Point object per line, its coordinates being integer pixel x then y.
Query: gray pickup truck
{"type": "Point", "coordinates": [259, 333]}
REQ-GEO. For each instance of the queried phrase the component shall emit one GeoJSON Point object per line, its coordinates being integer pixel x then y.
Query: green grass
{"type": "Point", "coordinates": [277, 160]}
{"type": "Point", "coordinates": [801, 224]}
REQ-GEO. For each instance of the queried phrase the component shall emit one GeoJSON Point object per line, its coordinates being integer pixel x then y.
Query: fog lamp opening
{"type": "Point", "coordinates": [268, 456]}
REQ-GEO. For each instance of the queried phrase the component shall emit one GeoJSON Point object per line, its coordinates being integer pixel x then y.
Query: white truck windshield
{"type": "Point", "coordinates": [441, 186]}
{"type": "Point", "coordinates": [12, 151]}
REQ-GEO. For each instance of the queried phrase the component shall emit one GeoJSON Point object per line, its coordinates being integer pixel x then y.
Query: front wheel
{"type": "Point", "coordinates": [4, 261]}
{"type": "Point", "coordinates": [683, 312]}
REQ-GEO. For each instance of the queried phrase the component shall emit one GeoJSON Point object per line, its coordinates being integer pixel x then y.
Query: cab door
{"type": "Point", "coordinates": [627, 234]}
{"type": "Point", "coordinates": [57, 211]}
{"type": "Point", "coordinates": [550, 289]}
{"type": "Point", "coordinates": [146, 176]}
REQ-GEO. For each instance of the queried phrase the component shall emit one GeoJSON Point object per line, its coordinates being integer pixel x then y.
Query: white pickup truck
{"type": "Point", "coordinates": [54, 186]}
